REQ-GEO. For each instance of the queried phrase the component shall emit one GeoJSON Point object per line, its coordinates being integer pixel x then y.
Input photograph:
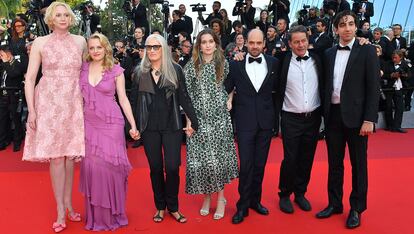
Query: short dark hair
{"type": "Point", "coordinates": [237, 23]}
{"type": "Point", "coordinates": [341, 15]}
{"type": "Point", "coordinates": [397, 25]}
{"type": "Point", "coordinates": [297, 29]}
{"type": "Point", "coordinates": [322, 21]}
{"type": "Point", "coordinates": [217, 2]}
{"type": "Point", "coordinates": [184, 34]}
{"type": "Point", "coordinates": [272, 26]}
{"type": "Point", "coordinates": [400, 53]}
{"type": "Point", "coordinates": [378, 29]}
{"type": "Point", "coordinates": [219, 22]}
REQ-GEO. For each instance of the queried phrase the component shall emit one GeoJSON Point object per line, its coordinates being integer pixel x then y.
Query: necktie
{"type": "Point", "coordinates": [343, 48]}
{"type": "Point", "coordinates": [302, 58]}
{"type": "Point", "coordinates": [258, 60]}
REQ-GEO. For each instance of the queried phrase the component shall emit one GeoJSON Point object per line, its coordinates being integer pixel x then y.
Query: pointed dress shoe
{"type": "Point", "coordinates": [328, 212]}
{"type": "Point", "coordinates": [303, 203]}
{"type": "Point", "coordinates": [353, 220]}
{"type": "Point", "coordinates": [285, 205]}
{"type": "Point", "coordinates": [239, 216]}
{"type": "Point", "coordinates": [259, 208]}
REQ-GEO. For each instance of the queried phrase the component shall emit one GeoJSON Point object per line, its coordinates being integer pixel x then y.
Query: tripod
{"type": "Point", "coordinates": [197, 27]}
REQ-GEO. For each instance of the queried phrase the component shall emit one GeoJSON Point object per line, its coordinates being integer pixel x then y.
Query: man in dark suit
{"type": "Point", "coordinates": [298, 101]}
{"type": "Point", "coordinates": [246, 13]}
{"type": "Point", "coordinates": [139, 15]}
{"type": "Point", "coordinates": [213, 15]}
{"type": "Point", "coordinates": [321, 41]}
{"type": "Point", "coordinates": [351, 98]}
{"type": "Point", "coordinates": [253, 78]}
{"type": "Point", "coordinates": [387, 45]}
{"type": "Point", "coordinates": [187, 20]}
{"type": "Point", "coordinates": [280, 9]}
{"type": "Point", "coordinates": [398, 42]}
{"type": "Point", "coordinates": [364, 10]}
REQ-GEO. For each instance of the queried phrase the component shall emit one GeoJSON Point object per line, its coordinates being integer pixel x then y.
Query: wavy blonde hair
{"type": "Point", "coordinates": [108, 60]}
{"type": "Point", "coordinates": [50, 13]}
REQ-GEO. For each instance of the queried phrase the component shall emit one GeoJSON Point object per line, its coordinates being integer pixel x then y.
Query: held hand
{"type": "Point", "coordinates": [134, 133]}
{"type": "Point", "coordinates": [366, 129]}
{"type": "Point", "coordinates": [188, 129]}
{"type": "Point", "coordinates": [31, 121]}
{"type": "Point", "coordinates": [229, 105]}
{"type": "Point", "coordinates": [363, 41]}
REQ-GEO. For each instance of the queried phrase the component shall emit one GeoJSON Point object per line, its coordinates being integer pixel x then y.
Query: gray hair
{"type": "Point", "coordinates": [167, 64]}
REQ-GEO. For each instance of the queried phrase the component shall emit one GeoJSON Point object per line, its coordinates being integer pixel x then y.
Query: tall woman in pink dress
{"type": "Point", "coordinates": [55, 131]}
{"type": "Point", "coordinates": [104, 171]}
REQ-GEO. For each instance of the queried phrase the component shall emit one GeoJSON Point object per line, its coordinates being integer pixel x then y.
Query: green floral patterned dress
{"type": "Point", "coordinates": [211, 153]}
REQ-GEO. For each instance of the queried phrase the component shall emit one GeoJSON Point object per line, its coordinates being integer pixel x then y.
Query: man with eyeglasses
{"type": "Point", "coordinates": [185, 53]}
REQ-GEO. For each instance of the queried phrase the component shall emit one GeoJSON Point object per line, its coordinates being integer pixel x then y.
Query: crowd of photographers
{"type": "Point", "coordinates": [393, 50]}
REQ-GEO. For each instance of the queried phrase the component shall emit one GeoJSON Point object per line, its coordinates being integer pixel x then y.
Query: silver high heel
{"type": "Point", "coordinates": [203, 211]}
{"type": "Point", "coordinates": [218, 216]}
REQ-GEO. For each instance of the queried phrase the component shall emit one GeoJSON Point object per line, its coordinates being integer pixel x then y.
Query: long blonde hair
{"type": "Point", "coordinates": [167, 63]}
{"type": "Point", "coordinates": [108, 60]}
{"type": "Point", "coordinates": [218, 56]}
{"type": "Point", "coordinates": [50, 13]}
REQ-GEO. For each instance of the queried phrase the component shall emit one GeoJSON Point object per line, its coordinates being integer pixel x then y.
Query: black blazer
{"type": "Point", "coordinates": [369, 9]}
{"type": "Point", "coordinates": [360, 86]}
{"type": "Point", "coordinates": [282, 81]}
{"type": "Point", "coordinates": [188, 21]}
{"type": "Point", "coordinates": [403, 43]}
{"type": "Point", "coordinates": [323, 43]}
{"type": "Point", "coordinates": [139, 16]}
{"type": "Point", "coordinates": [390, 68]}
{"type": "Point", "coordinates": [253, 109]}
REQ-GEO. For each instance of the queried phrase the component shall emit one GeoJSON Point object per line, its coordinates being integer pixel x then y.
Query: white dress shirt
{"type": "Point", "coordinates": [257, 71]}
{"type": "Point", "coordinates": [302, 92]}
{"type": "Point", "coordinates": [397, 84]}
{"type": "Point", "coordinates": [341, 61]}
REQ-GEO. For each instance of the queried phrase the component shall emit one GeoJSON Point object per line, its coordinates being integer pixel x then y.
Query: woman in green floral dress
{"type": "Point", "coordinates": [211, 153]}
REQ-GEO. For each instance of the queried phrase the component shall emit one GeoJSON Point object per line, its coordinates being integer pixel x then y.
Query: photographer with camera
{"type": "Point", "coordinates": [19, 35]}
{"type": "Point", "coordinates": [281, 39]}
{"type": "Point", "coordinates": [188, 21]}
{"type": "Point", "coordinates": [320, 41]}
{"type": "Point", "coordinates": [280, 9]}
{"type": "Point", "coordinates": [11, 77]}
{"type": "Point", "coordinates": [363, 9]}
{"type": "Point", "coordinates": [139, 14]}
{"type": "Point", "coordinates": [270, 47]}
{"type": "Point", "coordinates": [214, 15]}
{"type": "Point", "coordinates": [124, 60]}
{"type": "Point", "coordinates": [246, 12]}
{"type": "Point", "coordinates": [308, 18]}
{"type": "Point", "coordinates": [184, 50]}
{"type": "Point", "coordinates": [177, 25]}
{"type": "Point", "coordinates": [90, 20]}
{"type": "Point", "coordinates": [396, 74]}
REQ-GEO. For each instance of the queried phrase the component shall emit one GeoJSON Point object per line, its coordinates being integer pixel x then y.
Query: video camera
{"type": "Point", "coordinates": [239, 5]}
{"type": "Point", "coordinates": [83, 7]}
{"type": "Point", "coordinates": [198, 7]}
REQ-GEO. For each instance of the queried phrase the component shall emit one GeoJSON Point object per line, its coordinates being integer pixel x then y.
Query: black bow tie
{"type": "Point", "coordinates": [343, 47]}
{"type": "Point", "coordinates": [258, 60]}
{"type": "Point", "coordinates": [302, 58]}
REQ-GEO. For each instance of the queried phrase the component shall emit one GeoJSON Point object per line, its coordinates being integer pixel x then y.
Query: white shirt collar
{"type": "Point", "coordinates": [294, 56]}
{"type": "Point", "coordinates": [350, 44]}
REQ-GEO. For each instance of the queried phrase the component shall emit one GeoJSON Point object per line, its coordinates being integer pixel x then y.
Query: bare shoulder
{"type": "Point", "coordinates": [80, 40]}
{"type": "Point", "coordinates": [40, 41]}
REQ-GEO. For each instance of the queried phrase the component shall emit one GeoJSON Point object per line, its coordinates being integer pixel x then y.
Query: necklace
{"type": "Point", "coordinates": [157, 72]}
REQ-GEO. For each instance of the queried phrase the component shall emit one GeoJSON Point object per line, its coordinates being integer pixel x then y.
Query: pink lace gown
{"type": "Point", "coordinates": [105, 168]}
{"type": "Point", "coordinates": [58, 104]}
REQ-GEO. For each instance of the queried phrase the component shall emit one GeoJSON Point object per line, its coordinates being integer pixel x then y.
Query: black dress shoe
{"type": "Point", "coordinates": [400, 130]}
{"type": "Point", "coordinates": [259, 208]}
{"type": "Point", "coordinates": [238, 217]}
{"type": "Point", "coordinates": [16, 147]}
{"type": "Point", "coordinates": [328, 211]}
{"type": "Point", "coordinates": [303, 203]}
{"type": "Point", "coordinates": [285, 205]}
{"type": "Point", "coordinates": [353, 220]}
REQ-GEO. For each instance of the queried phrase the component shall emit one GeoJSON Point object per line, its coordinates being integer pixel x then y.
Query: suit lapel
{"type": "Point", "coordinates": [352, 57]}
{"type": "Point", "coordinates": [332, 58]}
{"type": "Point", "coordinates": [245, 76]}
{"type": "Point", "coordinates": [269, 71]}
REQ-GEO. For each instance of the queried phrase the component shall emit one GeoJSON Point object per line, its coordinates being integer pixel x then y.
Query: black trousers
{"type": "Point", "coordinates": [337, 136]}
{"type": "Point", "coordinates": [164, 147]}
{"type": "Point", "coordinates": [395, 97]}
{"type": "Point", "coordinates": [300, 137]}
{"type": "Point", "coordinates": [253, 152]}
{"type": "Point", "coordinates": [8, 115]}
{"type": "Point", "coordinates": [407, 98]}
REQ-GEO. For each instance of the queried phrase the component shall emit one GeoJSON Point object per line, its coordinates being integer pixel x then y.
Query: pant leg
{"type": "Point", "coordinates": [307, 146]}
{"type": "Point", "coordinates": [4, 121]}
{"type": "Point", "coordinates": [153, 151]}
{"type": "Point", "coordinates": [291, 131]}
{"type": "Point", "coordinates": [357, 146]}
{"type": "Point", "coordinates": [263, 139]}
{"type": "Point", "coordinates": [171, 141]}
{"type": "Point", "coordinates": [16, 118]}
{"type": "Point", "coordinates": [246, 144]}
{"type": "Point", "coordinates": [407, 99]}
{"type": "Point", "coordinates": [335, 142]}
{"type": "Point", "coordinates": [389, 120]}
{"type": "Point", "coordinates": [399, 108]}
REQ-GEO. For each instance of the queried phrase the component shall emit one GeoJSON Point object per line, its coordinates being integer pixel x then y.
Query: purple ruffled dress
{"type": "Point", "coordinates": [105, 168]}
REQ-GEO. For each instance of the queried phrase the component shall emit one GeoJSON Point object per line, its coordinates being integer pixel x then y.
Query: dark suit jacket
{"type": "Point", "coordinates": [188, 25]}
{"type": "Point", "coordinates": [247, 18]}
{"type": "Point", "coordinates": [139, 15]}
{"type": "Point", "coordinates": [253, 109]}
{"type": "Point", "coordinates": [279, 11]}
{"type": "Point", "coordinates": [390, 68]}
{"type": "Point", "coordinates": [282, 81]}
{"type": "Point", "coordinates": [387, 48]}
{"type": "Point", "coordinates": [323, 43]}
{"type": "Point", "coordinates": [360, 86]}
{"type": "Point", "coordinates": [403, 43]}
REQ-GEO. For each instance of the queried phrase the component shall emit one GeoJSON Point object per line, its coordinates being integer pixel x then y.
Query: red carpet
{"type": "Point", "coordinates": [27, 203]}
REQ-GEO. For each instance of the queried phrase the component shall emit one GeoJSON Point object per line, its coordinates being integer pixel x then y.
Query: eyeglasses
{"type": "Point", "coordinates": [19, 26]}
{"type": "Point", "coordinates": [186, 46]}
{"type": "Point", "coordinates": [119, 47]}
{"type": "Point", "coordinates": [153, 47]}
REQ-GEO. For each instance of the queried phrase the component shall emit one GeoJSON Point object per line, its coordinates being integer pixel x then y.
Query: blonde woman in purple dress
{"type": "Point", "coordinates": [105, 168]}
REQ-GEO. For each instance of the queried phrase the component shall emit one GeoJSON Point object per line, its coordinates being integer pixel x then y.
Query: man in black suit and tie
{"type": "Point", "coordinates": [350, 110]}
{"type": "Point", "coordinates": [299, 99]}
{"type": "Point", "coordinates": [321, 41]}
{"type": "Point", "coordinates": [398, 41]}
{"type": "Point", "coordinates": [253, 79]}
{"type": "Point", "coordinates": [188, 21]}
